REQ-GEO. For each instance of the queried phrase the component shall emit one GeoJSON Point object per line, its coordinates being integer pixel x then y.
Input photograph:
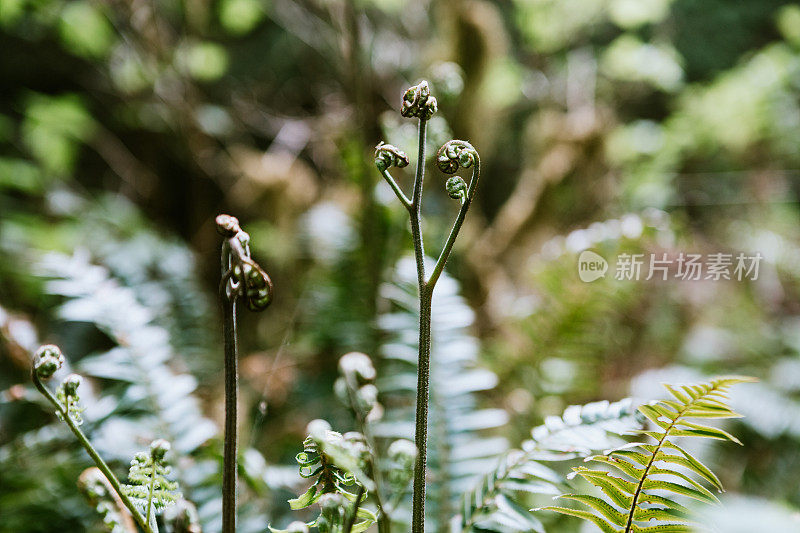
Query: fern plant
{"type": "Point", "coordinates": [336, 462]}
{"type": "Point", "coordinates": [47, 362]}
{"type": "Point", "coordinates": [148, 486]}
{"type": "Point", "coordinates": [495, 504]}
{"type": "Point", "coordinates": [346, 469]}
{"type": "Point", "coordinates": [140, 362]}
{"type": "Point", "coordinates": [643, 480]}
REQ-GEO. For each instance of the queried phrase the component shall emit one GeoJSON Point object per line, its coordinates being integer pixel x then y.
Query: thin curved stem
{"type": "Point", "coordinates": [418, 102]}
{"type": "Point", "coordinates": [416, 207]}
{"type": "Point", "coordinates": [98, 461]}
{"type": "Point", "coordinates": [241, 277]}
{"type": "Point", "coordinates": [229, 476]}
{"type": "Point", "coordinates": [462, 214]}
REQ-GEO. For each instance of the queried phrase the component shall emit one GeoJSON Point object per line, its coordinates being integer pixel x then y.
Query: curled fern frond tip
{"type": "Point", "coordinates": [359, 365]}
{"type": "Point", "coordinates": [238, 266]}
{"type": "Point", "coordinates": [454, 155]}
{"type": "Point", "coordinates": [227, 225]}
{"type": "Point", "coordinates": [418, 102]}
{"type": "Point", "coordinates": [71, 384]}
{"type": "Point", "coordinates": [47, 360]}
{"type": "Point", "coordinates": [159, 448]}
{"type": "Point", "coordinates": [387, 155]}
{"type": "Point", "coordinates": [456, 188]}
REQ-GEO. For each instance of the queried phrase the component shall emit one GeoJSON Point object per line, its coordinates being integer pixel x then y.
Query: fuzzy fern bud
{"type": "Point", "coordinates": [367, 397]}
{"type": "Point", "coordinates": [355, 389]}
{"type": "Point", "coordinates": [418, 102]}
{"type": "Point", "coordinates": [227, 226]}
{"type": "Point", "coordinates": [47, 361]}
{"type": "Point", "coordinates": [403, 451]}
{"type": "Point", "coordinates": [318, 429]}
{"type": "Point", "coordinates": [387, 155]}
{"type": "Point", "coordinates": [456, 188]}
{"type": "Point", "coordinates": [454, 154]}
{"type": "Point", "coordinates": [158, 449]}
{"type": "Point", "coordinates": [357, 365]}
{"type": "Point", "coordinates": [402, 456]}
{"type": "Point", "coordinates": [71, 385]}
{"type": "Point", "coordinates": [67, 396]}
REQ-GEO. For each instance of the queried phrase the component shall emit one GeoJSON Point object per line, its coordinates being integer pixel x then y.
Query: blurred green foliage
{"type": "Point", "coordinates": [623, 126]}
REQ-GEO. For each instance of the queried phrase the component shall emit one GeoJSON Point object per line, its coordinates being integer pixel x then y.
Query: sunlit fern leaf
{"type": "Point", "coordinates": [642, 480]}
{"type": "Point", "coordinates": [458, 453]}
{"type": "Point", "coordinates": [582, 429]}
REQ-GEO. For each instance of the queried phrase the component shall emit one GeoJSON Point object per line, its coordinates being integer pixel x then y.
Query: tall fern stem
{"type": "Point", "coordinates": [241, 278]}
{"type": "Point", "coordinates": [229, 476]}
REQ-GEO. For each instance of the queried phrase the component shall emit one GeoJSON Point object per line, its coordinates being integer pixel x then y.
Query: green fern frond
{"type": "Point", "coordinates": [148, 486]}
{"type": "Point", "coordinates": [654, 474]}
{"type": "Point", "coordinates": [582, 429]}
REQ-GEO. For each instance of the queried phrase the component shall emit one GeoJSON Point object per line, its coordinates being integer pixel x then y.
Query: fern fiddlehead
{"type": "Point", "coordinates": [641, 500]}
{"type": "Point", "coordinates": [241, 277]}
{"type": "Point", "coordinates": [419, 103]}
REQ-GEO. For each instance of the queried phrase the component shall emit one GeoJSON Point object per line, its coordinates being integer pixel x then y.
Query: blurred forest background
{"type": "Point", "coordinates": [639, 126]}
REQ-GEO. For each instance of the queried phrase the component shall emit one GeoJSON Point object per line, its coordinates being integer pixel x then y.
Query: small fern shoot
{"type": "Point", "coordinates": [67, 396]}
{"type": "Point", "coordinates": [642, 494]}
{"type": "Point", "coordinates": [337, 463]}
{"type": "Point", "coordinates": [149, 488]}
